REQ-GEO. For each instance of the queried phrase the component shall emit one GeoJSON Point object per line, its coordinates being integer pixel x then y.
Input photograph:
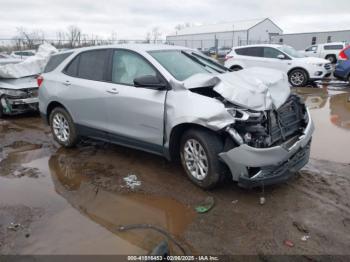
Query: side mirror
{"type": "Point", "coordinates": [149, 81]}
{"type": "Point", "coordinates": [280, 56]}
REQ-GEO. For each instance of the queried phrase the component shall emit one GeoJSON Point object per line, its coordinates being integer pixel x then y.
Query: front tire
{"type": "Point", "coordinates": [199, 151]}
{"type": "Point", "coordinates": [236, 68]}
{"type": "Point", "coordinates": [63, 128]}
{"type": "Point", "coordinates": [298, 78]}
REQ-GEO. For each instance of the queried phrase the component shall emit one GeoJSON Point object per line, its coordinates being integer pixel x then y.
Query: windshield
{"type": "Point", "coordinates": [291, 51]}
{"type": "Point", "coordinates": [183, 64]}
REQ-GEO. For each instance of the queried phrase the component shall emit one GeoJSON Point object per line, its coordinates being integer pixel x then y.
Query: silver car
{"type": "Point", "coordinates": [178, 103]}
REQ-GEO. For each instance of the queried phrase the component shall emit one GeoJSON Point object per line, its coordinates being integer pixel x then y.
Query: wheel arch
{"type": "Point", "coordinates": [51, 106]}
{"type": "Point", "coordinates": [300, 68]}
{"type": "Point", "coordinates": [175, 138]}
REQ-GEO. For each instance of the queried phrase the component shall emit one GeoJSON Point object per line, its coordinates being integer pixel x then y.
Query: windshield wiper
{"type": "Point", "coordinates": [221, 69]}
{"type": "Point", "coordinates": [190, 56]}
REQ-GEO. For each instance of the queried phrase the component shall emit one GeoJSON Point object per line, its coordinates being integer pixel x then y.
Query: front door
{"type": "Point", "coordinates": [136, 115]}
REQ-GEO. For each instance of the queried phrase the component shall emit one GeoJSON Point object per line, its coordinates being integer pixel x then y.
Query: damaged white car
{"type": "Point", "coordinates": [18, 83]}
{"type": "Point", "coordinates": [175, 102]}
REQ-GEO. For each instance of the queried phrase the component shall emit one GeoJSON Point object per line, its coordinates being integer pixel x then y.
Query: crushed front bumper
{"type": "Point", "coordinates": [251, 166]}
{"type": "Point", "coordinates": [13, 106]}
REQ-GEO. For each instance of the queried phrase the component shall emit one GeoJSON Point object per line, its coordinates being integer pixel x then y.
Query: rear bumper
{"type": "Point", "coordinates": [272, 165]}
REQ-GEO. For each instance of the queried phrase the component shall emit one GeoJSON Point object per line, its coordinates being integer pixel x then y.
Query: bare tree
{"type": "Point", "coordinates": [156, 34]}
{"type": "Point", "coordinates": [148, 37]}
{"type": "Point", "coordinates": [61, 37]}
{"type": "Point", "coordinates": [29, 39]}
{"type": "Point", "coordinates": [74, 36]}
{"type": "Point", "coordinates": [182, 26]}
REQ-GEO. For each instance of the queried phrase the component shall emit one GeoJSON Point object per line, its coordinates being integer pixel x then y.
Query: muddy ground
{"type": "Point", "coordinates": [72, 201]}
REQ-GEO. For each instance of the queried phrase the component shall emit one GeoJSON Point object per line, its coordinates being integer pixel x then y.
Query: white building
{"type": "Point", "coordinates": [226, 34]}
{"type": "Point", "coordinates": [300, 41]}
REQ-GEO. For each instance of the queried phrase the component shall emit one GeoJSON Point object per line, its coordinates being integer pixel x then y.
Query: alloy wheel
{"type": "Point", "coordinates": [297, 78]}
{"type": "Point", "coordinates": [196, 159]}
{"type": "Point", "coordinates": [60, 127]}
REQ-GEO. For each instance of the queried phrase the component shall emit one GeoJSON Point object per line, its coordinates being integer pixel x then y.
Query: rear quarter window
{"type": "Point", "coordinates": [55, 61]}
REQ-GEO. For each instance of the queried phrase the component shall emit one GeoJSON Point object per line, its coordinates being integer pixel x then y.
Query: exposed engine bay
{"type": "Point", "coordinates": [261, 129]}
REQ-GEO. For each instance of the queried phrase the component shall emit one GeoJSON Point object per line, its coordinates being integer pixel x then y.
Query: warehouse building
{"type": "Point", "coordinates": [226, 34]}
{"type": "Point", "coordinates": [301, 41]}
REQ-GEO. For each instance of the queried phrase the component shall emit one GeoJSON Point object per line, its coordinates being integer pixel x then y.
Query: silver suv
{"type": "Point", "coordinates": [176, 102]}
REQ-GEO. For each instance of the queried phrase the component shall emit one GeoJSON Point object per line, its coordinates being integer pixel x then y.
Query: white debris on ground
{"type": "Point", "coordinates": [31, 66]}
{"type": "Point", "coordinates": [131, 181]}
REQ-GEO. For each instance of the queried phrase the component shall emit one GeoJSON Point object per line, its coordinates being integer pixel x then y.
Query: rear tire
{"type": "Point", "coordinates": [298, 78]}
{"type": "Point", "coordinates": [199, 149]}
{"type": "Point", "coordinates": [236, 68]}
{"type": "Point", "coordinates": [332, 59]}
{"type": "Point", "coordinates": [62, 127]}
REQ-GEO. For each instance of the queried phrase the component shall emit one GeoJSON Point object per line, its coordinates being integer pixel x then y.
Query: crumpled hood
{"type": "Point", "coordinates": [254, 88]}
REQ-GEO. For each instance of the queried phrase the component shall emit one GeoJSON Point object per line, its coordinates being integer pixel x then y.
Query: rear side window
{"type": "Point", "coordinates": [250, 51]}
{"type": "Point", "coordinates": [89, 65]}
{"type": "Point", "coordinates": [92, 65]}
{"type": "Point", "coordinates": [333, 47]}
{"type": "Point", "coordinates": [55, 61]}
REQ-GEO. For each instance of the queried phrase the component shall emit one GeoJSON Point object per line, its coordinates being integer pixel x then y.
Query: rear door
{"type": "Point", "coordinates": [84, 95]}
{"type": "Point", "coordinates": [135, 115]}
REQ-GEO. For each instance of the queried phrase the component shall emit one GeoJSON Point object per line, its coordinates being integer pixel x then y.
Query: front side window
{"type": "Point", "coordinates": [311, 48]}
{"type": "Point", "coordinates": [271, 52]}
{"type": "Point", "coordinates": [290, 51]}
{"type": "Point", "coordinates": [128, 65]}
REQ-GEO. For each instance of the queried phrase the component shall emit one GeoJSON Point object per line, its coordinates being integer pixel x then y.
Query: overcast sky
{"type": "Point", "coordinates": [132, 19]}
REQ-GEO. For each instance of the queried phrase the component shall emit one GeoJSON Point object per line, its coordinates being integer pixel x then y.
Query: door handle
{"type": "Point", "coordinates": [113, 91]}
{"type": "Point", "coordinates": [67, 83]}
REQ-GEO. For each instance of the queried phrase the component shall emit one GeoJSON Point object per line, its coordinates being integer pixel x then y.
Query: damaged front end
{"type": "Point", "coordinates": [271, 145]}
{"type": "Point", "coordinates": [270, 136]}
{"type": "Point", "coordinates": [18, 101]}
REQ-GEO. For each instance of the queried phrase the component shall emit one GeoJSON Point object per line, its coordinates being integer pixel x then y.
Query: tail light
{"type": "Point", "coordinates": [39, 80]}
{"type": "Point", "coordinates": [342, 55]}
{"type": "Point", "coordinates": [227, 57]}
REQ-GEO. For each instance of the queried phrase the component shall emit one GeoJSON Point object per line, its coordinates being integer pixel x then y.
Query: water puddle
{"type": "Point", "coordinates": [77, 206]}
{"type": "Point", "coordinates": [330, 111]}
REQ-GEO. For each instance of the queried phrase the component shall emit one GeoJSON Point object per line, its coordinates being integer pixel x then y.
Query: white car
{"type": "Point", "coordinates": [329, 51]}
{"type": "Point", "coordinates": [300, 69]}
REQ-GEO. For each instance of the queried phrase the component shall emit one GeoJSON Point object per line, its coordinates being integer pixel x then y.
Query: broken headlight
{"type": "Point", "coordinates": [12, 92]}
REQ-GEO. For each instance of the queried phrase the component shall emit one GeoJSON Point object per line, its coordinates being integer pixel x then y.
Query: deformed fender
{"type": "Point", "coordinates": [184, 106]}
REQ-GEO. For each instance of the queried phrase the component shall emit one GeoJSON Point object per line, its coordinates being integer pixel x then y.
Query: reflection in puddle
{"type": "Point", "coordinates": [340, 110]}
{"type": "Point", "coordinates": [114, 209]}
{"type": "Point", "coordinates": [330, 111]}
